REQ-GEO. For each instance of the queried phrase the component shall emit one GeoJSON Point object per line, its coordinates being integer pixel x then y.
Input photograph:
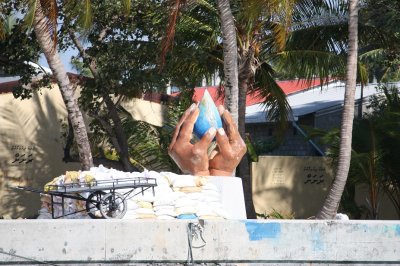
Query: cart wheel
{"type": "Point", "coordinates": [93, 204]}
{"type": "Point", "coordinates": [113, 206]}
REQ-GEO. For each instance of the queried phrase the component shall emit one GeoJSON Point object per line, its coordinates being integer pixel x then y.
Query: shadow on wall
{"type": "Point", "coordinates": [31, 149]}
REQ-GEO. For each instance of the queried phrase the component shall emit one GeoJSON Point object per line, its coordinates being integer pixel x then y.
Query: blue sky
{"type": "Point", "coordinates": [65, 58]}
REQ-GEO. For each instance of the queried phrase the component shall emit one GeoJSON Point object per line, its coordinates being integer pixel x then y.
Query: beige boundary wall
{"type": "Point", "coordinates": [298, 185]}
{"type": "Point", "coordinates": [31, 148]}
{"type": "Point", "coordinates": [290, 184]}
{"type": "Point", "coordinates": [31, 145]}
{"type": "Point", "coordinates": [142, 110]}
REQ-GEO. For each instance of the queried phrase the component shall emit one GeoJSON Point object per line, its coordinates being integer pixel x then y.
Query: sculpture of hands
{"type": "Point", "coordinates": [193, 158]}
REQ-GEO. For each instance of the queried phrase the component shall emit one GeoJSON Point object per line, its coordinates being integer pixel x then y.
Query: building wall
{"type": "Point", "coordinates": [328, 119]}
{"type": "Point", "coordinates": [294, 143]}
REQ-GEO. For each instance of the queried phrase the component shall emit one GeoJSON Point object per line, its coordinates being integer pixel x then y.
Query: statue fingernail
{"type": "Point", "coordinates": [221, 131]}
{"type": "Point", "coordinates": [212, 131]}
{"type": "Point", "coordinates": [221, 109]}
{"type": "Point", "coordinates": [192, 107]}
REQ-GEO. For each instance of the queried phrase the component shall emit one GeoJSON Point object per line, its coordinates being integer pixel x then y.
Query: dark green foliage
{"type": "Point", "coordinates": [375, 153]}
{"type": "Point", "coordinates": [18, 48]}
{"type": "Point", "coordinates": [274, 214]}
{"type": "Point", "coordinates": [383, 16]}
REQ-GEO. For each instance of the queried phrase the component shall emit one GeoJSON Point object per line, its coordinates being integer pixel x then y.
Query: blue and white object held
{"type": "Point", "coordinates": [208, 116]}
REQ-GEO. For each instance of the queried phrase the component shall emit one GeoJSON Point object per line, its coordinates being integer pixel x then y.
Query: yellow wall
{"type": "Point", "coordinates": [290, 184]}
{"type": "Point", "coordinates": [150, 112]}
{"type": "Point", "coordinates": [31, 149]}
{"type": "Point", "coordinates": [31, 146]}
{"type": "Point", "coordinates": [298, 185]}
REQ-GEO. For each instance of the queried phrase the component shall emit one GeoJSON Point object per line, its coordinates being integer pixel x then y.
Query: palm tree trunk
{"type": "Point", "coordinates": [67, 92]}
{"type": "Point", "coordinates": [230, 58]}
{"type": "Point", "coordinates": [332, 201]}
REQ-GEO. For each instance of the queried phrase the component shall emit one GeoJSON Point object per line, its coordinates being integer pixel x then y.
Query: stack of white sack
{"type": "Point", "coordinates": [175, 196]}
{"type": "Point", "coordinates": [195, 197]}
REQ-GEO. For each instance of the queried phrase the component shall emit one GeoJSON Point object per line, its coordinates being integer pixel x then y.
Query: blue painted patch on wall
{"type": "Point", "coordinates": [261, 230]}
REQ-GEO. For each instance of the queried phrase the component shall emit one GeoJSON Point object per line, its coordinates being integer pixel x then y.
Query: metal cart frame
{"type": "Point", "coordinates": [111, 205]}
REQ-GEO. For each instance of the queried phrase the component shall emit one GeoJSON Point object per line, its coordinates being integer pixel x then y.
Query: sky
{"type": "Point", "coordinates": [65, 58]}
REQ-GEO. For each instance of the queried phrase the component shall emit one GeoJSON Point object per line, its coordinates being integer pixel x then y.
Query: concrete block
{"type": "Point", "coordinates": [268, 242]}
{"type": "Point", "coordinates": [52, 240]}
{"type": "Point", "coordinates": [146, 240]}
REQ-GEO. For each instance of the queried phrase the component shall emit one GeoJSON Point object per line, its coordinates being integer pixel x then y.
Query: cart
{"type": "Point", "coordinates": [103, 201]}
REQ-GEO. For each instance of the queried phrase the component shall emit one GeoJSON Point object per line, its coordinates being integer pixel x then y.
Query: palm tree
{"type": "Point", "coordinates": [44, 20]}
{"type": "Point", "coordinates": [332, 201]}
{"type": "Point", "coordinates": [230, 57]}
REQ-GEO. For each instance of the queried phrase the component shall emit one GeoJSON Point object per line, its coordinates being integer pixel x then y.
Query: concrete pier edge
{"type": "Point", "coordinates": [226, 241]}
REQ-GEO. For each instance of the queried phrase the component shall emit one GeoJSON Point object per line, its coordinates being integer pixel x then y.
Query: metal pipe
{"type": "Point", "coordinates": [315, 146]}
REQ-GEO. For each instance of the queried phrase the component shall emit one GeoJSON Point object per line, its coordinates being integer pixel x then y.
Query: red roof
{"type": "Point", "coordinates": [7, 87]}
{"type": "Point", "coordinates": [288, 87]}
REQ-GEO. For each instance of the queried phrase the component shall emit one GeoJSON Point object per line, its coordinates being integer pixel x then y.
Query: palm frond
{"type": "Point", "coordinates": [204, 4]}
{"type": "Point", "coordinates": [29, 17]}
{"type": "Point", "coordinates": [362, 73]}
{"type": "Point", "coordinates": [126, 6]}
{"type": "Point", "coordinates": [189, 23]}
{"type": "Point", "coordinates": [148, 144]}
{"type": "Point", "coordinates": [81, 10]}
{"type": "Point", "coordinates": [167, 41]}
{"type": "Point", "coordinates": [279, 35]}
{"type": "Point", "coordinates": [371, 54]}
{"type": "Point", "coordinates": [257, 8]}
{"type": "Point", "coordinates": [86, 15]}
{"type": "Point", "coordinates": [332, 38]}
{"type": "Point", "coordinates": [309, 64]}
{"type": "Point", "coordinates": [2, 28]}
{"type": "Point", "coordinates": [50, 11]}
{"type": "Point", "coordinates": [259, 16]}
{"type": "Point", "coordinates": [276, 104]}
{"type": "Point", "coordinates": [314, 13]}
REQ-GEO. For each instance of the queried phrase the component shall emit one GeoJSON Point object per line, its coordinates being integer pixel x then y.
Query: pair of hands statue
{"type": "Point", "coordinates": [193, 158]}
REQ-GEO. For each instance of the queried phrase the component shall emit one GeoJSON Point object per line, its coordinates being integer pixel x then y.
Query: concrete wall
{"type": "Point", "coordinates": [298, 185]}
{"type": "Point", "coordinates": [150, 112]}
{"type": "Point", "coordinates": [290, 184]}
{"type": "Point", "coordinates": [273, 241]}
{"type": "Point", "coordinates": [31, 148]}
{"type": "Point", "coordinates": [31, 145]}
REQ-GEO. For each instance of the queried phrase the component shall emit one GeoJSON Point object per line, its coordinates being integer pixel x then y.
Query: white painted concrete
{"type": "Point", "coordinates": [270, 242]}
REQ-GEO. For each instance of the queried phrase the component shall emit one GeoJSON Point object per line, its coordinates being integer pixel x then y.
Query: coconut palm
{"type": "Point", "coordinates": [228, 32]}
{"type": "Point", "coordinates": [332, 201]}
{"type": "Point", "coordinates": [261, 35]}
{"type": "Point", "coordinates": [43, 16]}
